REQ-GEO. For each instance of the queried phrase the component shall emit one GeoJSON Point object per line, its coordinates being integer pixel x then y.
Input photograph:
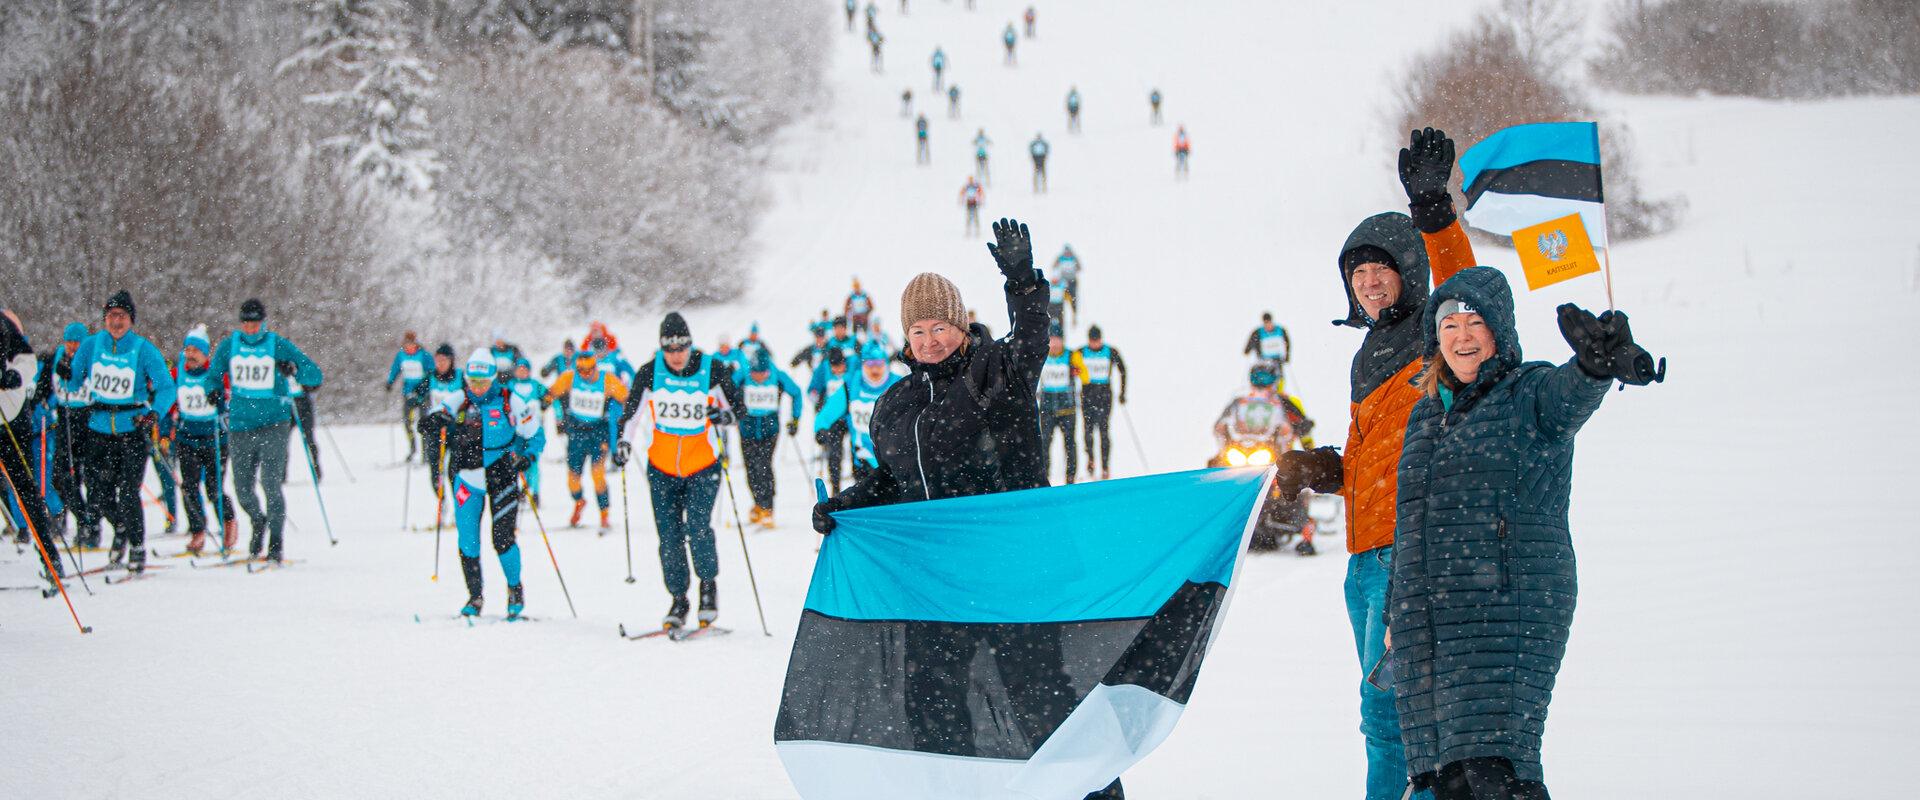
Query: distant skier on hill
{"type": "Point", "coordinates": [1009, 38]}
{"type": "Point", "coordinates": [858, 307]}
{"type": "Point", "coordinates": [1182, 147]}
{"type": "Point", "coordinates": [1038, 148]}
{"type": "Point", "coordinates": [1153, 99]}
{"type": "Point", "coordinates": [1073, 109]}
{"type": "Point", "coordinates": [1067, 266]}
{"type": "Point", "coordinates": [1096, 364]}
{"type": "Point", "coordinates": [1269, 341]}
{"type": "Point", "coordinates": [980, 145]}
{"type": "Point", "coordinates": [971, 195]}
{"type": "Point", "coordinates": [596, 400]}
{"type": "Point", "coordinates": [442, 386]}
{"type": "Point", "coordinates": [906, 102]}
{"type": "Point", "coordinates": [851, 8]}
{"type": "Point", "coordinates": [874, 40]}
{"type": "Point", "coordinates": [1028, 17]}
{"type": "Point", "coordinates": [953, 101]}
{"type": "Point", "coordinates": [939, 67]}
{"type": "Point", "coordinates": [921, 153]}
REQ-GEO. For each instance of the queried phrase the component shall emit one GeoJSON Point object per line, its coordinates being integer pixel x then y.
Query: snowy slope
{"type": "Point", "coordinates": [1743, 560]}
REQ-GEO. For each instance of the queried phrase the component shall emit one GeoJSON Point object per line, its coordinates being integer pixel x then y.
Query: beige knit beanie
{"type": "Point", "coordinates": [929, 296]}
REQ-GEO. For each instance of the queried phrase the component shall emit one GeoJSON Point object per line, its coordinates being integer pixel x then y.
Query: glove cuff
{"type": "Point", "coordinates": [1432, 212]}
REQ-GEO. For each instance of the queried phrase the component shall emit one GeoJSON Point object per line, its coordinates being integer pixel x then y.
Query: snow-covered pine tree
{"type": "Point", "coordinates": [387, 138]}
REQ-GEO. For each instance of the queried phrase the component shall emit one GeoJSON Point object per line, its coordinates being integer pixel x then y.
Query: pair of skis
{"type": "Point", "coordinates": [676, 633]}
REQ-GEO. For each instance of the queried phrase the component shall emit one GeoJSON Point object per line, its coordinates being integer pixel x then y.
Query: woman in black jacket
{"type": "Point", "coordinates": [967, 422]}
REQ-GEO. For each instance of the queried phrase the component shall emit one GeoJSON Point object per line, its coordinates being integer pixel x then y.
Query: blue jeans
{"type": "Point", "coordinates": [1368, 575]}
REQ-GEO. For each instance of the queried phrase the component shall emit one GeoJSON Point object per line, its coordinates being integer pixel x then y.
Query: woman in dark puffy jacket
{"type": "Point", "coordinates": [1483, 583]}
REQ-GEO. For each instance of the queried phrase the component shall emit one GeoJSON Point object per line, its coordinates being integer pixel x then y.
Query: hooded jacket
{"type": "Point", "coordinates": [1483, 585]}
{"type": "Point", "coordinates": [968, 425]}
{"type": "Point", "coordinates": [1384, 368]}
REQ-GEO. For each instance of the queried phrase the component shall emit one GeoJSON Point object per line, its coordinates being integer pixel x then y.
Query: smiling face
{"type": "Point", "coordinates": [118, 322]}
{"type": "Point", "coordinates": [933, 340]}
{"type": "Point", "coordinates": [1376, 286]}
{"type": "Point", "coordinates": [1466, 342]}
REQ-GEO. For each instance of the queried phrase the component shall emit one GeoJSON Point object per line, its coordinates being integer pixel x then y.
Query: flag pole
{"type": "Point", "coordinates": [1606, 232]}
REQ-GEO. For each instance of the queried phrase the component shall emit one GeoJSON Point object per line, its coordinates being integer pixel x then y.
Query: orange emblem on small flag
{"type": "Point", "coordinates": [1554, 251]}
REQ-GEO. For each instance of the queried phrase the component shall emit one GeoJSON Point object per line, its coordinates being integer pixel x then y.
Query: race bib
{"type": "Point", "coordinates": [587, 404]}
{"type": "Point", "coordinates": [194, 402]}
{"type": "Point", "coordinates": [445, 398]}
{"type": "Point", "coordinates": [860, 305]}
{"type": "Point", "coordinates": [1055, 376]}
{"type": "Point", "coordinates": [1273, 347]}
{"type": "Point", "coordinates": [111, 383]}
{"type": "Point", "coordinates": [411, 370]}
{"type": "Point", "coordinates": [680, 412]}
{"type": "Point", "coordinates": [763, 399]}
{"type": "Point", "coordinates": [861, 412]}
{"type": "Point", "coordinates": [253, 373]}
{"type": "Point", "coordinates": [1098, 369]}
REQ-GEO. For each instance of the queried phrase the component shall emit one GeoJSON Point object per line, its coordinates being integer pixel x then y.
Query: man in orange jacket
{"type": "Point", "coordinates": [1385, 268]}
{"type": "Point", "coordinates": [685, 397]}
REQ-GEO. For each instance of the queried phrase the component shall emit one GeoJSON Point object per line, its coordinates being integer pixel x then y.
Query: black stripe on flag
{"type": "Point", "coordinates": [977, 689]}
{"type": "Point", "coordinates": [1570, 180]}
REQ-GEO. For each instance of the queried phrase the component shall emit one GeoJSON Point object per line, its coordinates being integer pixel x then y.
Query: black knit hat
{"type": "Point", "coordinates": [1094, 332]}
{"type": "Point", "coordinates": [253, 310]}
{"type": "Point", "coordinates": [124, 301]}
{"type": "Point", "coordinates": [836, 357]}
{"type": "Point", "coordinates": [445, 349]}
{"type": "Point", "coordinates": [674, 333]}
{"type": "Point", "coordinates": [1366, 254]}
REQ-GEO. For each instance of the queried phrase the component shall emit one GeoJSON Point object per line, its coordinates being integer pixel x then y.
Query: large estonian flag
{"type": "Point", "coordinates": [1528, 174]}
{"type": "Point", "coordinates": [1031, 644]}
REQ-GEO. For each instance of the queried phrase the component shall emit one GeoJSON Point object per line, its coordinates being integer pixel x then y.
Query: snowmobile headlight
{"type": "Point", "coordinates": [1235, 457]}
{"type": "Point", "coordinates": [1260, 458]}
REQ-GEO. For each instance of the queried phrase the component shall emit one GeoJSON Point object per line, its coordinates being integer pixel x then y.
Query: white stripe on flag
{"type": "Point", "coordinates": [1503, 214]}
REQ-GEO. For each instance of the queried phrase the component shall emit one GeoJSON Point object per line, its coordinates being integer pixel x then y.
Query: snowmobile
{"type": "Point", "coordinates": [1252, 432]}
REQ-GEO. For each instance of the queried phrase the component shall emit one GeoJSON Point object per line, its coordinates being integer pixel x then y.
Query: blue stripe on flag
{"type": "Point", "coordinates": [1521, 144]}
{"type": "Point", "coordinates": [1104, 550]}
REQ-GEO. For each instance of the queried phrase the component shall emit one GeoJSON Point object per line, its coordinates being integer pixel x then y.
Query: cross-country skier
{"type": "Point", "coordinates": [20, 383]}
{"type": "Point", "coordinates": [832, 438]}
{"type": "Point", "coordinates": [1039, 148]}
{"type": "Point", "coordinates": [607, 353]}
{"type": "Point", "coordinates": [686, 398]}
{"type": "Point", "coordinates": [200, 443]}
{"type": "Point", "coordinates": [561, 361]}
{"type": "Point", "coordinates": [844, 341]}
{"type": "Point", "coordinates": [532, 393]}
{"type": "Point", "coordinates": [971, 196]}
{"type": "Point", "coordinates": [1384, 269]}
{"type": "Point", "coordinates": [852, 406]}
{"type": "Point", "coordinates": [441, 387]}
{"type": "Point", "coordinates": [1182, 148]}
{"type": "Point", "coordinates": [731, 356]}
{"type": "Point", "coordinates": [814, 354]}
{"type": "Point", "coordinates": [1067, 266]}
{"type": "Point", "coordinates": [760, 429]}
{"type": "Point", "coordinates": [969, 426]}
{"type": "Point", "coordinates": [859, 306]}
{"type": "Point", "coordinates": [249, 361]}
{"type": "Point", "coordinates": [160, 452]}
{"type": "Point", "coordinates": [922, 154]}
{"type": "Point", "coordinates": [953, 101]}
{"type": "Point", "coordinates": [906, 102]}
{"type": "Point", "coordinates": [1270, 341]}
{"type": "Point", "coordinates": [752, 346]}
{"type": "Point", "coordinates": [1008, 38]}
{"type": "Point", "coordinates": [1028, 17]}
{"type": "Point", "coordinates": [130, 388]}
{"type": "Point", "coordinates": [1096, 364]}
{"type": "Point", "coordinates": [69, 438]}
{"type": "Point", "coordinates": [874, 40]}
{"type": "Point", "coordinates": [1059, 410]}
{"type": "Point", "coordinates": [411, 363]}
{"type": "Point", "coordinates": [980, 145]}
{"type": "Point", "coordinates": [1153, 99]}
{"type": "Point", "coordinates": [505, 354]}
{"type": "Point", "coordinates": [596, 400]}
{"type": "Point", "coordinates": [939, 67]}
{"type": "Point", "coordinates": [489, 431]}
{"type": "Point", "coordinates": [1073, 109]}
{"type": "Point", "coordinates": [1057, 299]}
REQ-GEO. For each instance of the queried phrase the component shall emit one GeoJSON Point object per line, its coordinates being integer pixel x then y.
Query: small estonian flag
{"type": "Point", "coordinates": [1528, 174]}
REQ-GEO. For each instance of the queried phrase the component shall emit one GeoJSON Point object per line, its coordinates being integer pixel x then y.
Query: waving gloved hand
{"type": "Point", "coordinates": [1604, 347]}
{"type": "Point", "coordinates": [1012, 249]}
{"type": "Point", "coordinates": [1426, 164]}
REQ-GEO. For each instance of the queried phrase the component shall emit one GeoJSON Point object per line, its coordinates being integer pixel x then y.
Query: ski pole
{"type": "Point", "coordinates": [438, 501]}
{"type": "Point", "coordinates": [550, 556]}
{"type": "Point", "coordinates": [794, 439]}
{"type": "Point", "coordinates": [219, 486]}
{"type": "Point", "coordinates": [314, 470]}
{"type": "Point", "coordinates": [71, 555]}
{"type": "Point", "coordinates": [79, 511]}
{"type": "Point", "coordinates": [52, 571]}
{"type": "Point", "coordinates": [1128, 416]}
{"type": "Point", "coordinates": [338, 454]}
{"type": "Point", "coordinates": [727, 475]}
{"type": "Point", "coordinates": [626, 520]}
{"type": "Point", "coordinates": [406, 496]}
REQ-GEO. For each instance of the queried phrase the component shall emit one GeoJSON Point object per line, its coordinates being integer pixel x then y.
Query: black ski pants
{"type": "Point", "coordinates": [759, 456]}
{"type": "Point", "coordinates": [116, 463]}
{"type": "Point", "coordinates": [25, 490]}
{"type": "Point", "coordinates": [68, 441]}
{"type": "Point", "coordinates": [1096, 402]}
{"type": "Point", "coordinates": [1486, 778]}
{"type": "Point", "coordinates": [303, 411]}
{"type": "Point", "coordinates": [1064, 424]}
{"type": "Point", "coordinates": [833, 445]}
{"type": "Point", "coordinates": [203, 466]}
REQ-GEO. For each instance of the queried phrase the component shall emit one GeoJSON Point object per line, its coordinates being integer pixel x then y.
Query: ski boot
{"type": "Point", "coordinates": [604, 524]}
{"type": "Point", "coordinates": [195, 541]}
{"type": "Point", "coordinates": [709, 602]}
{"type": "Point", "coordinates": [173, 526]}
{"type": "Point", "coordinates": [117, 555]}
{"type": "Point", "coordinates": [1305, 547]}
{"type": "Point", "coordinates": [472, 608]}
{"type": "Point", "coordinates": [579, 507]}
{"type": "Point", "coordinates": [757, 514]}
{"type": "Point", "coordinates": [516, 602]}
{"type": "Point", "coordinates": [676, 617]}
{"type": "Point", "coordinates": [136, 560]}
{"type": "Point", "coordinates": [766, 520]}
{"type": "Point", "coordinates": [1090, 474]}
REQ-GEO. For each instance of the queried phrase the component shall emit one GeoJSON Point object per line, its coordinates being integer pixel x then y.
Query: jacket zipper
{"type": "Point", "coordinates": [918, 461]}
{"type": "Point", "coordinates": [1501, 532]}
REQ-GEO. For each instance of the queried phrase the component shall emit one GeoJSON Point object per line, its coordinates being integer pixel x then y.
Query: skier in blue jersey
{"type": "Point", "coordinates": [505, 354]}
{"type": "Point", "coordinates": [442, 386]}
{"type": "Point", "coordinates": [831, 437]}
{"type": "Point", "coordinates": [853, 405]}
{"type": "Point", "coordinates": [490, 434]}
{"type": "Point", "coordinates": [1096, 364]}
{"type": "Point", "coordinates": [127, 380]}
{"type": "Point", "coordinates": [410, 367]}
{"type": "Point", "coordinates": [200, 442]}
{"type": "Point", "coordinates": [69, 440]}
{"type": "Point", "coordinates": [760, 428]}
{"type": "Point", "coordinates": [752, 346]}
{"type": "Point", "coordinates": [1038, 148]}
{"type": "Point", "coordinates": [844, 341]}
{"type": "Point", "coordinates": [1059, 407]}
{"type": "Point", "coordinates": [596, 403]}
{"type": "Point", "coordinates": [939, 62]}
{"type": "Point", "coordinates": [1269, 342]}
{"type": "Point", "coordinates": [814, 354]}
{"type": "Point", "coordinates": [256, 362]}
{"type": "Point", "coordinates": [532, 393]}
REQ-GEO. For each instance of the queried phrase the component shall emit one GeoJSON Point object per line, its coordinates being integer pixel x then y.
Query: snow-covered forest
{"type": "Point", "coordinates": [367, 165]}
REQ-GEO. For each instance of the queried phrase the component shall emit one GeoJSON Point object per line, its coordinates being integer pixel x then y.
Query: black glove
{"type": "Point", "coordinates": [1426, 163]}
{"type": "Point", "coordinates": [438, 418]}
{"type": "Point", "coordinates": [719, 416]}
{"type": "Point", "coordinates": [288, 369]}
{"type": "Point", "coordinates": [389, 387]}
{"type": "Point", "coordinates": [1603, 346]}
{"type": "Point", "coordinates": [621, 453]}
{"type": "Point", "coordinates": [9, 379]}
{"type": "Point", "coordinates": [1588, 337]}
{"type": "Point", "coordinates": [822, 519]}
{"type": "Point", "coordinates": [793, 427]}
{"type": "Point", "coordinates": [1012, 249]}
